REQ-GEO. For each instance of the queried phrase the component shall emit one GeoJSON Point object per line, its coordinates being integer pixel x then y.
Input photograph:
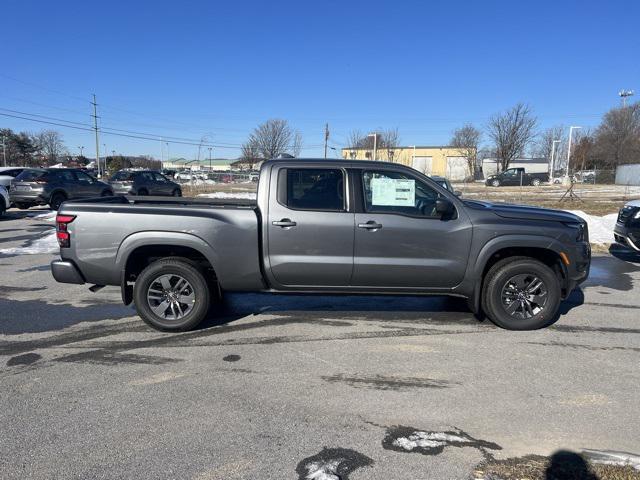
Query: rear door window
{"type": "Point", "coordinates": [122, 177]}
{"type": "Point", "coordinates": [159, 178]}
{"type": "Point", "coordinates": [315, 189]}
{"type": "Point", "coordinates": [65, 176]}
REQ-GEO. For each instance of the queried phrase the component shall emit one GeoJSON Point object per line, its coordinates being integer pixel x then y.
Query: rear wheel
{"type": "Point", "coordinates": [143, 192]}
{"type": "Point", "coordinates": [495, 183]}
{"type": "Point", "coordinates": [521, 293]}
{"type": "Point", "coordinates": [172, 295]}
{"type": "Point", "coordinates": [107, 193]}
{"type": "Point", "coordinates": [23, 206]}
{"type": "Point", "coordinates": [56, 200]}
{"type": "Point", "coordinates": [177, 193]}
{"type": "Point", "coordinates": [535, 182]}
{"type": "Point", "coordinates": [3, 207]}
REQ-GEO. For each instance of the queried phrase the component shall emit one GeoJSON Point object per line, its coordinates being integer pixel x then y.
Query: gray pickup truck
{"type": "Point", "coordinates": [331, 227]}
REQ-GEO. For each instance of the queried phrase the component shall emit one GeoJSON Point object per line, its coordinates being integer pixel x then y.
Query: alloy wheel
{"type": "Point", "coordinates": [170, 297]}
{"type": "Point", "coordinates": [524, 296]}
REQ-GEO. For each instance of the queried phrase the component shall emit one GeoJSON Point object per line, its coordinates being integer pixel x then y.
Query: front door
{"type": "Point", "coordinates": [86, 185]}
{"type": "Point", "coordinates": [310, 227]}
{"type": "Point", "coordinates": [400, 241]}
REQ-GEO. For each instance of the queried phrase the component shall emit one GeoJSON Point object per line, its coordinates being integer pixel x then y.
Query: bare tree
{"type": "Point", "coordinates": [617, 139]}
{"type": "Point", "coordinates": [250, 151]}
{"type": "Point", "coordinates": [389, 140]}
{"type": "Point", "coordinates": [543, 147]}
{"type": "Point", "coordinates": [275, 137]}
{"type": "Point", "coordinates": [50, 144]}
{"type": "Point", "coordinates": [466, 140]}
{"type": "Point", "coordinates": [511, 132]}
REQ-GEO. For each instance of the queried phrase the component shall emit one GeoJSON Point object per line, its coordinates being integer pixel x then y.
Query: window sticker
{"type": "Point", "coordinates": [393, 192]}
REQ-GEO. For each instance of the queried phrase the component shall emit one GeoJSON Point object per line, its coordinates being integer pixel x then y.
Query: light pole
{"type": "Point", "coordinates": [553, 164]}
{"type": "Point", "coordinates": [624, 94]}
{"type": "Point", "coordinates": [375, 145]}
{"type": "Point", "coordinates": [210, 148]}
{"type": "Point", "coordinates": [571, 129]}
{"type": "Point", "coordinates": [81, 149]}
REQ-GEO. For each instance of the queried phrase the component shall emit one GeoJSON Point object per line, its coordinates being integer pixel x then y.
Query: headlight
{"type": "Point", "coordinates": [637, 215]}
{"type": "Point", "coordinates": [580, 229]}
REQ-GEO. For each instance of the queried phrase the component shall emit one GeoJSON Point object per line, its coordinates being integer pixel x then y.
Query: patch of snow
{"type": "Point", "coordinates": [48, 216]}
{"type": "Point", "coordinates": [323, 471]}
{"type": "Point", "coordinates": [609, 457]}
{"type": "Point", "coordinates": [427, 440]}
{"type": "Point", "coordinates": [226, 195]}
{"type": "Point", "coordinates": [600, 228]}
{"type": "Point", "coordinates": [46, 244]}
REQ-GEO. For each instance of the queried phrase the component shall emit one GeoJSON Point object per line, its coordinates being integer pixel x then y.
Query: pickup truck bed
{"type": "Point", "coordinates": [325, 226]}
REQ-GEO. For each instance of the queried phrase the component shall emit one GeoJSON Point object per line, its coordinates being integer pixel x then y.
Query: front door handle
{"type": "Point", "coordinates": [370, 225]}
{"type": "Point", "coordinates": [285, 222]}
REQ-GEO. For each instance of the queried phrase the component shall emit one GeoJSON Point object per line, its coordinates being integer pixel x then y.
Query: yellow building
{"type": "Point", "coordinates": [444, 161]}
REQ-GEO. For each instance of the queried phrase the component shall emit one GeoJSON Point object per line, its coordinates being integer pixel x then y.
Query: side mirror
{"type": "Point", "coordinates": [443, 206]}
{"type": "Point", "coordinates": [457, 193]}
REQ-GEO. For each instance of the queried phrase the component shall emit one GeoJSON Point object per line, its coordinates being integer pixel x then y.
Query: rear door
{"type": "Point", "coordinates": [310, 227]}
{"type": "Point", "coordinates": [161, 186]}
{"type": "Point", "coordinates": [400, 241]}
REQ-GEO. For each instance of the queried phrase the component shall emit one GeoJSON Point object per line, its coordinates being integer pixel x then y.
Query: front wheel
{"type": "Point", "coordinates": [521, 293]}
{"type": "Point", "coordinates": [23, 206]}
{"type": "Point", "coordinates": [172, 295]}
{"type": "Point", "coordinates": [176, 193]}
{"type": "Point", "coordinates": [107, 193]}
{"type": "Point", "coordinates": [495, 183]}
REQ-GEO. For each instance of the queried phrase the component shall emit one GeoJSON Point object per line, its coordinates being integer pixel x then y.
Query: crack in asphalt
{"type": "Point", "coordinates": [383, 382]}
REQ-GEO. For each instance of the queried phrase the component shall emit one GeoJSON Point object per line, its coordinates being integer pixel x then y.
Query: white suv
{"type": "Point", "coordinates": [4, 200]}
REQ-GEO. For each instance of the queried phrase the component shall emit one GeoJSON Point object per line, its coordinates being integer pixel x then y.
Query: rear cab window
{"type": "Point", "coordinates": [320, 189]}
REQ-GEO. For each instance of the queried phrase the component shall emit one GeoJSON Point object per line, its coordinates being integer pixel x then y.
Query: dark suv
{"type": "Point", "coordinates": [143, 182]}
{"type": "Point", "coordinates": [42, 186]}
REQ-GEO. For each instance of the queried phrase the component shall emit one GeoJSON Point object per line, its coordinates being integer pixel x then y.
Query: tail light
{"type": "Point", "coordinates": [42, 180]}
{"type": "Point", "coordinates": [62, 232]}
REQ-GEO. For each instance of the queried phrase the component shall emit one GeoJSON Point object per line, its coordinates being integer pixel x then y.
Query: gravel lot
{"type": "Point", "coordinates": [288, 386]}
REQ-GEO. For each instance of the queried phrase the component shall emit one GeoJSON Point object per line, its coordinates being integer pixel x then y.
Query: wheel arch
{"type": "Point", "coordinates": [139, 250]}
{"type": "Point", "coordinates": [544, 249]}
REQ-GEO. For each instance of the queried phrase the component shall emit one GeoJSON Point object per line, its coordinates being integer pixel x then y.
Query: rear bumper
{"type": "Point", "coordinates": [26, 197]}
{"type": "Point", "coordinates": [629, 237]}
{"type": "Point", "coordinates": [65, 271]}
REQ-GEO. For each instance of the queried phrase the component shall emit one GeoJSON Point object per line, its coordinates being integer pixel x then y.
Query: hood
{"type": "Point", "coordinates": [526, 212]}
{"type": "Point", "coordinates": [633, 203]}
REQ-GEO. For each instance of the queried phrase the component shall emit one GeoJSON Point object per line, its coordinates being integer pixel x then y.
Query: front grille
{"type": "Point", "coordinates": [626, 213]}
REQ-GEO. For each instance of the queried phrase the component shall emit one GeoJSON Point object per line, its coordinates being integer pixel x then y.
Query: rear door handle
{"type": "Point", "coordinates": [285, 222]}
{"type": "Point", "coordinates": [370, 225]}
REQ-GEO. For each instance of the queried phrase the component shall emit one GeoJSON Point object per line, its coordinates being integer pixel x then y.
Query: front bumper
{"type": "Point", "coordinates": [579, 265]}
{"type": "Point", "coordinates": [65, 271]}
{"type": "Point", "coordinates": [629, 237]}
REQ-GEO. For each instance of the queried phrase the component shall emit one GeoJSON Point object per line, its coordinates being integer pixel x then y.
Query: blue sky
{"type": "Point", "coordinates": [193, 68]}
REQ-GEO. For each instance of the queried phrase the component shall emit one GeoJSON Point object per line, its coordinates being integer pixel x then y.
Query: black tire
{"type": "Point", "coordinates": [3, 207]}
{"type": "Point", "coordinates": [56, 200]}
{"type": "Point", "coordinates": [176, 193]}
{"type": "Point", "coordinates": [143, 192]}
{"type": "Point", "coordinates": [495, 183]}
{"type": "Point", "coordinates": [23, 206]}
{"type": "Point", "coordinates": [107, 193]}
{"type": "Point", "coordinates": [181, 268]}
{"type": "Point", "coordinates": [499, 288]}
{"type": "Point", "coordinates": [535, 182]}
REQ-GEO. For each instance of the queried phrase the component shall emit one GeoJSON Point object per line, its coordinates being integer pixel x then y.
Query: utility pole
{"type": "Point", "coordinates": [571, 129]}
{"type": "Point", "coordinates": [4, 150]}
{"type": "Point", "coordinates": [95, 127]}
{"type": "Point", "coordinates": [326, 139]}
{"type": "Point", "coordinates": [553, 163]}
{"type": "Point", "coordinates": [210, 148]}
{"type": "Point", "coordinates": [375, 144]}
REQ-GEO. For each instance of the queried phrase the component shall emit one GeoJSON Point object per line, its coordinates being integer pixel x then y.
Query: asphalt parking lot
{"type": "Point", "coordinates": [281, 385]}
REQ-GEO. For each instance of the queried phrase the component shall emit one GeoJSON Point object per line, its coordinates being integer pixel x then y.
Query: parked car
{"type": "Point", "coordinates": [4, 200]}
{"type": "Point", "coordinates": [324, 227]}
{"type": "Point", "coordinates": [7, 174]}
{"type": "Point", "coordinates": [516, 176]}
{"type": "Point", "coordinates": [52, 186]}
{"type": "Point", "coordinates": [143, 182]}
{"type": "Point", "coordinates": [445, 183]}
{"type": "Point", "coordinates": [168, 173]}
{"type": "Point", "coordinates": [627, 229]}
